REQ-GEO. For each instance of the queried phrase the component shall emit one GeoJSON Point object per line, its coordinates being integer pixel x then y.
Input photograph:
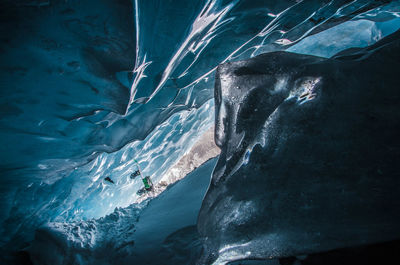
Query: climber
{"type": "Point", "coordinates": [148, 185]}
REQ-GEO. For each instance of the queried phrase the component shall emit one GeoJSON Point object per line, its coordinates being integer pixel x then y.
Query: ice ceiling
{"type": "Point", "coordinates": [88, 86]}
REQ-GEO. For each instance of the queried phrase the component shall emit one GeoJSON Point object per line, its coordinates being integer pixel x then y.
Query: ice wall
{"type": "Point", "coordinates": [309, 154]}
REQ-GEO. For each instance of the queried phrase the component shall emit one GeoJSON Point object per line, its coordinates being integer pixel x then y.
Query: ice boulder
{"type": "Point", "coordinates": [310, 153]}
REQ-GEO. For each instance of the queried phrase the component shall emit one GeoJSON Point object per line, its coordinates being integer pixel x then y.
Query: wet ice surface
{"type": "Point", "coordinates": [75, 76]}
{"type": "Point", "coordinates": [308, 154]}
{"type": "Point", "coordinates": [160, 231]}
{"type": "Point", "coordinates": [176, 209]}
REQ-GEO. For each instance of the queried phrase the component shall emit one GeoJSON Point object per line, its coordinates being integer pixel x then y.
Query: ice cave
{"type": "Point", "coordinates": [199, 132]}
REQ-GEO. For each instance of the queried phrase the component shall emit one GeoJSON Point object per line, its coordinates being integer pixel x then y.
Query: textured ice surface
{"type": "Point", "coordinates": [162, 233]}
{"type": "Point", "coordinates": [86, 86]}
{"type": "Point", "coordinates": [203, 150]}
{"type": "Point", "coordinates": [309, 155]}
{"type": "Point", "coordinates": [358, 33]}
{"type": "Point", "coordinates": [87, 242]}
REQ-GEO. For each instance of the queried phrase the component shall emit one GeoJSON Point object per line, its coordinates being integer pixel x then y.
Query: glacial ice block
{"type": "Point", "coordinates": [310, 153]}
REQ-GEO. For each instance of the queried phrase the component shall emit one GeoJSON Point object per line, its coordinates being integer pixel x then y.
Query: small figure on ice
{"type": "Point", "coordinates": [148, 185]}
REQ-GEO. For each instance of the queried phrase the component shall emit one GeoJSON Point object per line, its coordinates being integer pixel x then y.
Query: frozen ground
{"type": "Point", "coordinates": [163, 232]}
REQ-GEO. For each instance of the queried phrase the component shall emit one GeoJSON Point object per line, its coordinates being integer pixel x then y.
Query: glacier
{"type": "Point", "coordinates": [89, 86]}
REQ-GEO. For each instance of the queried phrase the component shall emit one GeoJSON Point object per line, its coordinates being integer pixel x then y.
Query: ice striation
{"type": "Point", "coordinates": [86, 87]}
{"type": "Point", "coordinates": [309, 151]}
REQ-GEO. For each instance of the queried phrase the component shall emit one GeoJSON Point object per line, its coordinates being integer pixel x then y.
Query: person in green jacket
{"type": "Point", "coordinates": [148, 185]}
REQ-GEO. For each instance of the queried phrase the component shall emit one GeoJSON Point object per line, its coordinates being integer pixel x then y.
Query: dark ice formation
{"type": "Point", "coordinates": [310, 153]}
